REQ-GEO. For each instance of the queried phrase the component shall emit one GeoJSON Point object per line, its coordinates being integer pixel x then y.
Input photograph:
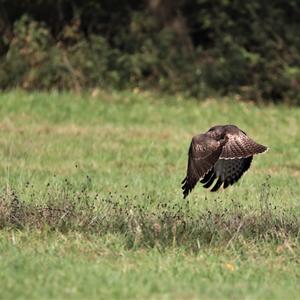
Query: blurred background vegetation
{"type": "Point", "coordinates": [194, 47]}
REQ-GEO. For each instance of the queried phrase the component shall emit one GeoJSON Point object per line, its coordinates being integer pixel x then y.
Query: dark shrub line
{"type": "Point", "coordinates": [191, 47]}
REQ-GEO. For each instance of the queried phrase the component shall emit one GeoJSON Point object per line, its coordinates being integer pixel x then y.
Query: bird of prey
{"type": "Point", "coordinates": [224, 153]}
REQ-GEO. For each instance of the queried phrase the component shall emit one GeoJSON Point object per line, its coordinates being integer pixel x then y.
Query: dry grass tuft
{"type": "Point", "coordinates": [161, 225]}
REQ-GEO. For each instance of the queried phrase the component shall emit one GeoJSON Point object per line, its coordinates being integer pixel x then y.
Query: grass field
{"type": "Point", "coordinates": [91, 205]}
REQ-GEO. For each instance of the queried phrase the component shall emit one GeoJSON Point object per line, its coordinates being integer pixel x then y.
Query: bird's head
{"type": "Point", "coordinates": [217, 132]}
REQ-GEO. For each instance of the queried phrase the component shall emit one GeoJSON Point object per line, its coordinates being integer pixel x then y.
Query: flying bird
{"type": "Point", "coordinates": [224, 153]}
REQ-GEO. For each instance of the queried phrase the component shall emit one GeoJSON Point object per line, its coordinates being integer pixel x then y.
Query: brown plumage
{"type": "Point", "coordinates": [224, 153]}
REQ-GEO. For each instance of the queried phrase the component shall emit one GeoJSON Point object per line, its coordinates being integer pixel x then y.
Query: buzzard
{"type": "Point", "coordinates": [224, 153]}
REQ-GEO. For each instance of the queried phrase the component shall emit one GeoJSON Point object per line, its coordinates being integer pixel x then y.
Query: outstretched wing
{"type": "Point", "coordinates": [227, 172]}
{"type": "Point", "coordinates": [239, 145]}
{"type": "Point", "coordinates": [203, 154]}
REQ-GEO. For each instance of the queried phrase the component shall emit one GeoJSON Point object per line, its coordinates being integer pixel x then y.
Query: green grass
{"type": "Point", "coordinates": [91, 205]}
